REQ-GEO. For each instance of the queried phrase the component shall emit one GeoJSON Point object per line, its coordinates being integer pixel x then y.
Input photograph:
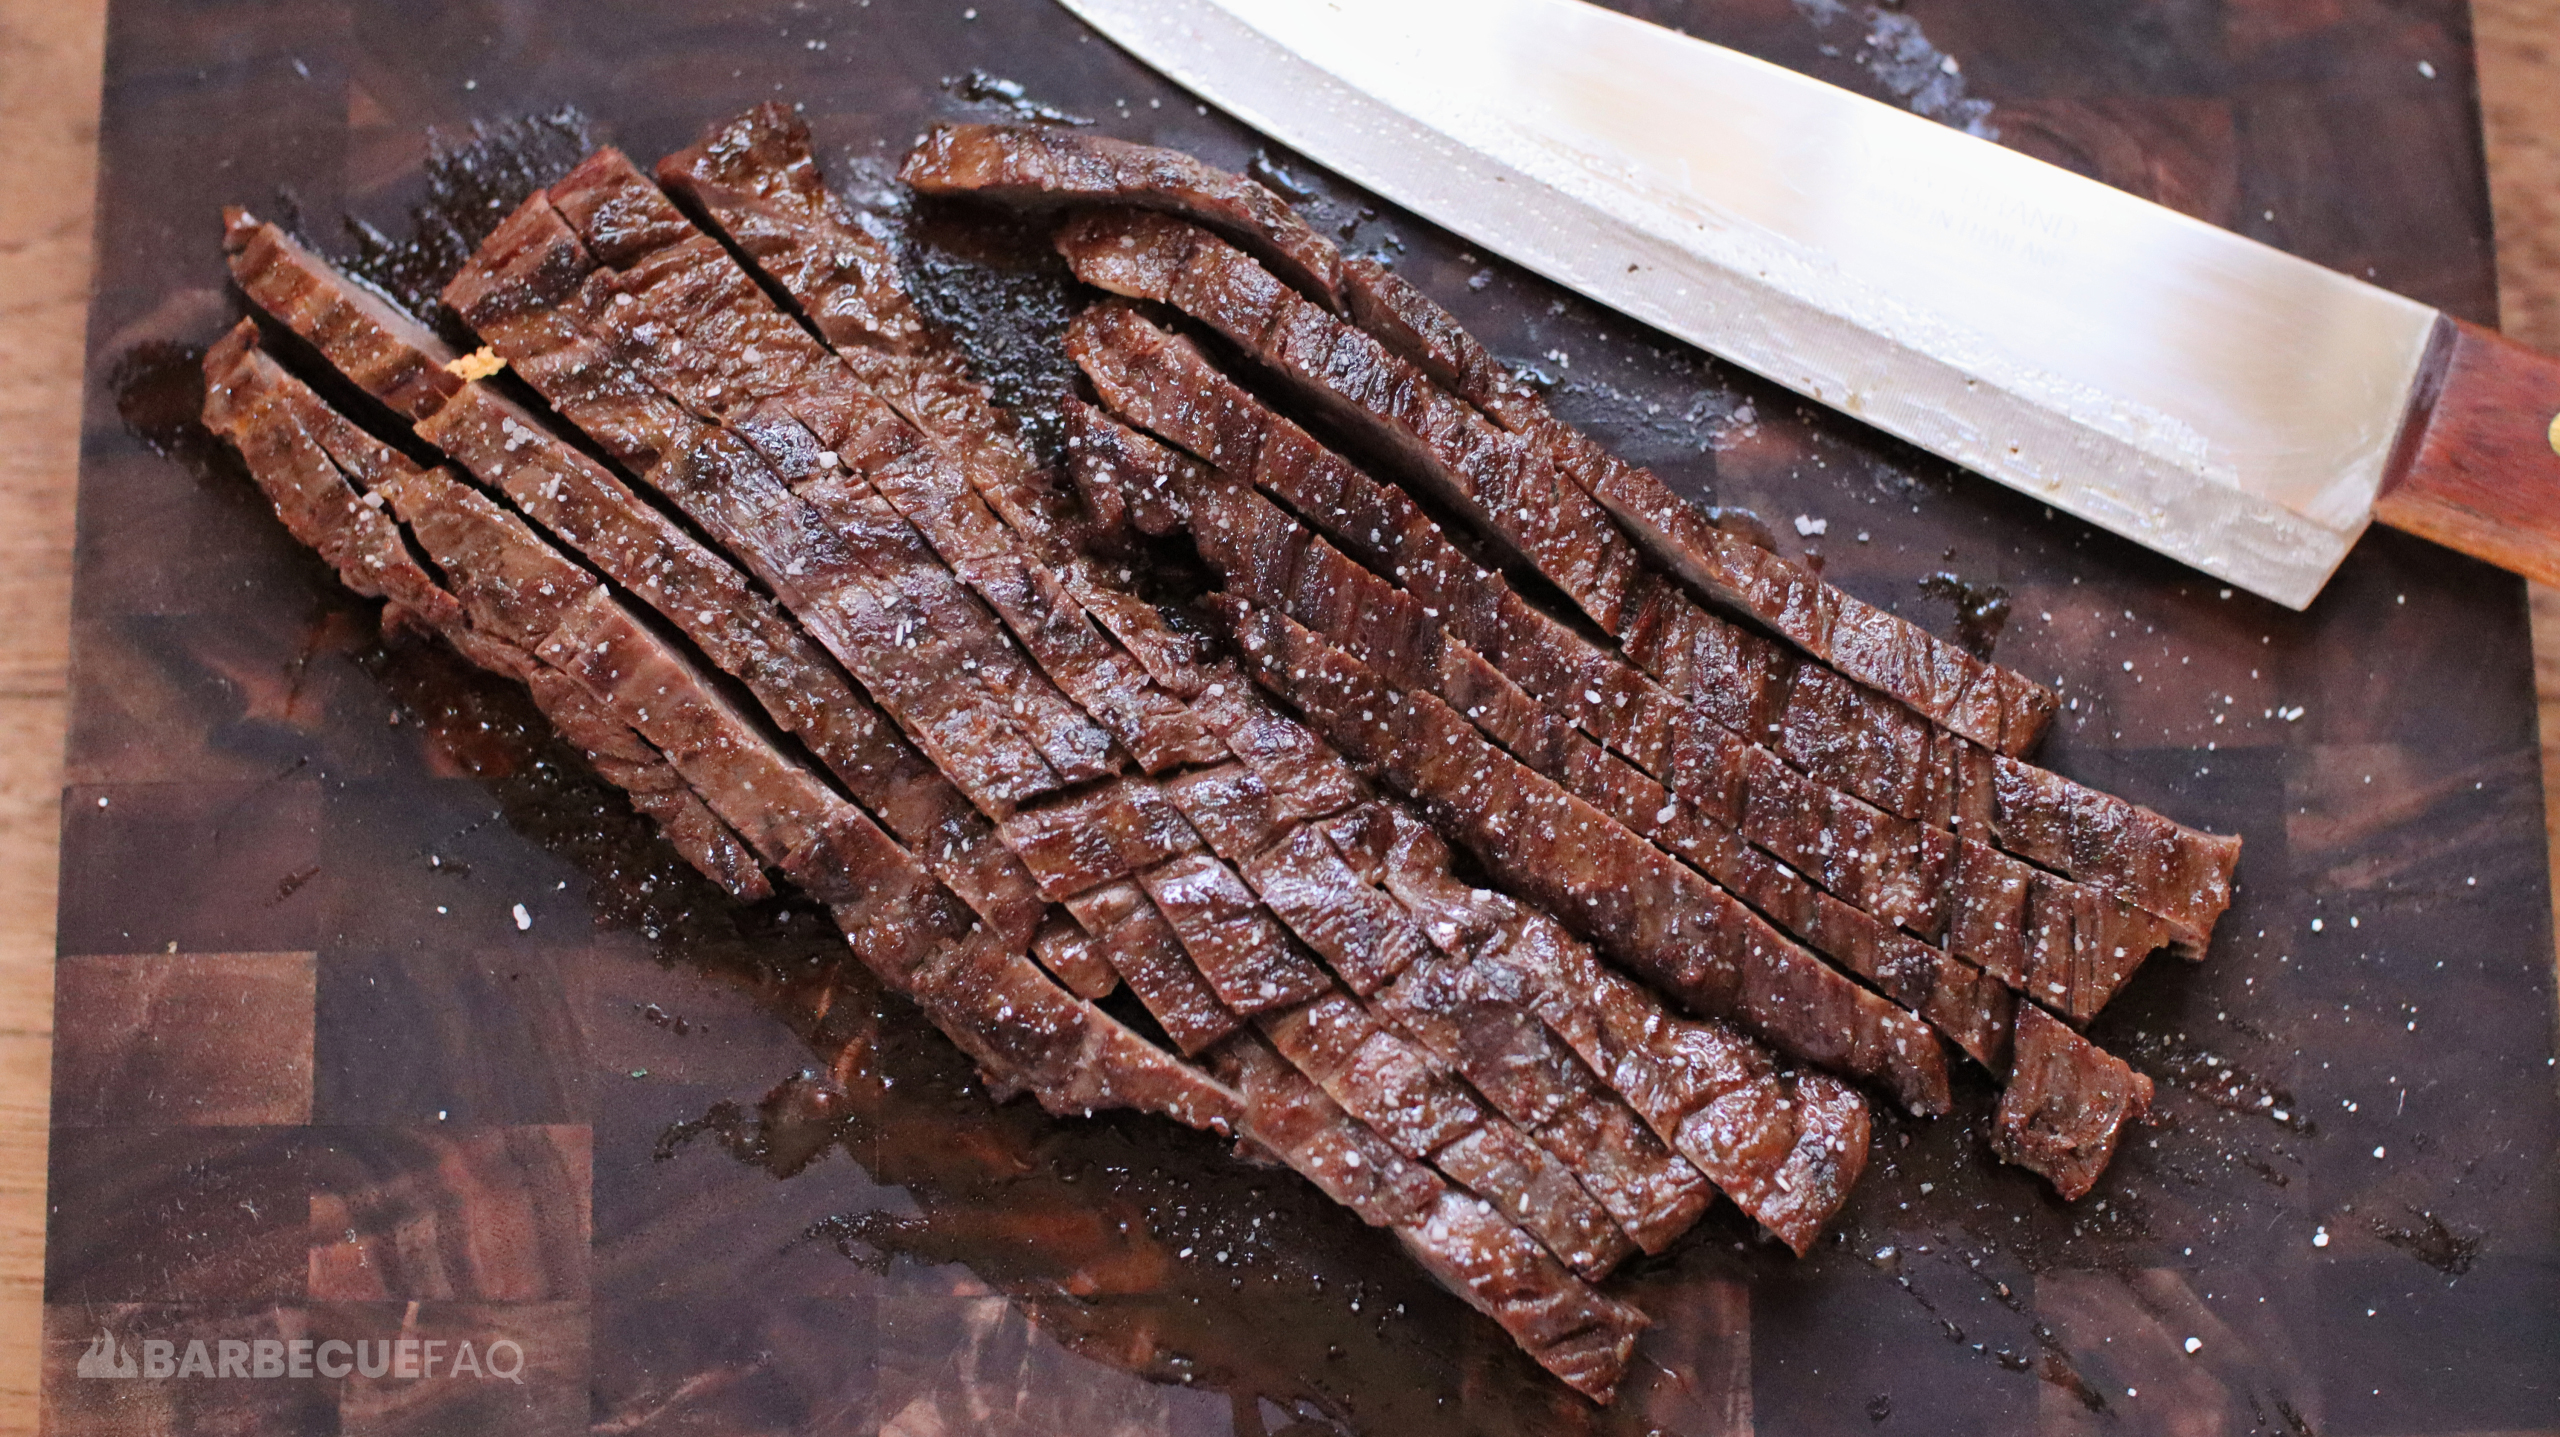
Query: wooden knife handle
{"type": "Point", "coordinates": [2479, 468]}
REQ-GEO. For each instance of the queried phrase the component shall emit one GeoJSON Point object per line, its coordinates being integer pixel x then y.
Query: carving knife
{"type": "Point", "coordinates": [2196, 391]}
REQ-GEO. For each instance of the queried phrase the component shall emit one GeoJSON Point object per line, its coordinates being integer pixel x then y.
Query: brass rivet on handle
{"type": "Point", "coordinates": [2555, 434]}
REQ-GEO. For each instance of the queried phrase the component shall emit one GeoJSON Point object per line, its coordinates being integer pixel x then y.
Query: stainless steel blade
{"type": "Point", "coordinates": [2194, 390]}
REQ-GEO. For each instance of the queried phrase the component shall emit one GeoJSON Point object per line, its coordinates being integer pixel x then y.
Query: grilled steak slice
{"type": "Point", "coordinates": [1503, 488]}
{"type": "Point", "coordinates": [1842, 734]}
{"type": "Point", "coordinates": [1996, 707]}
{"type": "Point", "coordinates": [670, 302]}
{"type": "Point", "coordinates": [1041, 167]}
{"type": "Point", "coordinates": [753, 180]}
{"type": "Point", "coordinates": [1091, 837]}
{"type": "Point", "coordinates": [817, 561]}
{"type": "Point", "coordinates": [1074, 957]}
{"type": "Point", "coordinates": [687, 316]}
{"type": "Point", "coordinates": [1369, 941]}
{"type": "Point", "coordinates": [1025, 1032]}
{"type": "Point", "coordinates": [1487, 1031]}
{"type": "Point", "coordinates": [400, 362]}
{"type": "Point", "coordinates": [1570, 1328]}
{"type": "Point", "coordinates": [1993, 706]}
{"type": "Point", "coordinates": [1371, 392]}
{"type": "Point", "coordinates": [1141, 947]}
{"type": "Point", "coordinates": [2066, 1104]}
{"type": "Point", "coordinates": [1923, 877]}
{"type": "Point", "coordinates": [1416, 1095]}
{"type": "Point", "coordinates": [274, 420]}
{"type": "Point", "coordinates": [1651, 913]}
{"type": "Point", "coordinates": [2167, 868]}
{"type": "Point", "coordinates": [1270, 560]}
{"type": "Point", "coordinates": [1787, 1153]}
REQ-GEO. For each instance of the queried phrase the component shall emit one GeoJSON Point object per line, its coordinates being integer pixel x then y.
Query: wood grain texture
{"type": "Point", "coordinates": [2519, 55]}
{"type": "Point", "coordinates": [2248, 152]}
{"type": "Point", "coordinates": [2483, 476]}
{"type": "Point", "coordinates": [49, 75]}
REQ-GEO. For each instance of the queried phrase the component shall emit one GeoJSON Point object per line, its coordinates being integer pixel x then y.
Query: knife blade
{"type": "Point", "coordinates": [2197, 391]}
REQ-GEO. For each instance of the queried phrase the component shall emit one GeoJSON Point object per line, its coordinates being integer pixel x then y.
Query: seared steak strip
{"type": "Point", "coordinates": [1844, 734]}
{"type": "Point", "coordinates": [753, 181]}
{"type": "Point", "coordinates": [841, 561]}
{"type": "Point", "coordinates": [1858, 740]}
{"type": "Point", "coordinates": [1995, 707]}
{"type": "Point", "coordinates": [1787, 1152]}
{"type": "Point", "coordinates": [1569, 1327]}
{"type": "Point", "coordinates": [1036, 167]}
{"type": "Point", "coordinates": [1141, 947]}
{"type": "Point", "coordinates": [683, 312]}
{"type": "Point", "coordinates": [1030, 167]}
{"type": "Point", "coordinates": [1753, 1146]}
{"type": "Point", "coordinates": [2066, 1105]}
{"type": "Point", "coordinates": [400, 362]}
{"type": "Point", "coordinates": [1653, 914]}
{"type": "Point", "coordinates": [1850, 735]}
{"type": "Point", "coordinates": [1986, 904]}
{"type": "Point", "coordinates": [1268, 559]}
{"type": "Point", "coordinates": [1025, 1032]}
{"type": "Point", "coordinates": [269, 418]}
{"type": "Point", "coordinates": [1074, 957]}
{"type": "Point", "coordinates": [1415, 1095]}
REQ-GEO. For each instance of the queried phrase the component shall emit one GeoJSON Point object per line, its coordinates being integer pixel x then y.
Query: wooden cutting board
{"type": "Point", "coordinates": [379, 1021]}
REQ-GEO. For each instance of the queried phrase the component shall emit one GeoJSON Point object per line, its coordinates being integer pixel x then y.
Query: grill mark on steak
{"type": "Point", "coordinates": [1994, 706]}
{"type": "Point", "coordinates": [1936, 883]}
{"type": "Point", "coordinates": [1650, 912]}
{"type": "Point", "coordinates": [1142, 948]}
{"type": "Point", "coordinates": [754, 183]}
{"type": "Point", "coordinates": [400, 362]}
{"type": "Point", "coordinates": [685, 313]}
{"type": "Point", "coordinates": [670, 302]}
{"type": "Point", "coordinates": [1026, 1034]}
{"type": "Point", "coordinates": [1787, 1153]}
{"type": "Point", "coordinates": [511, 292]}
{"type": "Point", "coordinates": [1270, 560]}
{"type": "Point", "coordinates": [1074, 957]}
{"type": "Point", "coordinates": [1844, 734]}
{"type": "Point", "coordinates": [270, 418]}
{"type": "Point", "coordinates": [1370, 942]}
{"type": "Point", "coordinates": [2066, 1105]}
{"type": "Point", "coordinates": [1858, 737]}
{"type": "Point", "coordinates": [1030, 167]}
{"type": "Point", "coordinates": [754, 178]}
{"type": "Point", "coordinates": [1570, 1328]}
{"type": "Point", "coordinates": [1130, 845]}
{"type": "Point", "coordinates": [1503, 487]}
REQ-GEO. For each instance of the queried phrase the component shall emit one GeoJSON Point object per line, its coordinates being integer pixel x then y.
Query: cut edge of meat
{"type": "Point", "coordinates": [1580, 1334]}
{"type": "Point", "coordinates": [1029, 166]}
{"type": "Point", "coordinates": [377, 347]}
{"type": "Point", "coordinates": [1704, 948]}
{"type": "Point", "coordinates": [321, 508]}
{"type": "Point", "coordinates": [2066, 1105]}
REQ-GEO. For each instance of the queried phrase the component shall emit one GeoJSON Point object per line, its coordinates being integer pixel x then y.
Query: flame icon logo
{"type": "Point", "coordinates": [103, 1359]}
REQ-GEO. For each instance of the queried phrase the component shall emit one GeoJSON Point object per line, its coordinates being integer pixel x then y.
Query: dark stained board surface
{"type": "Point", "coordinates": [315, 1080]}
